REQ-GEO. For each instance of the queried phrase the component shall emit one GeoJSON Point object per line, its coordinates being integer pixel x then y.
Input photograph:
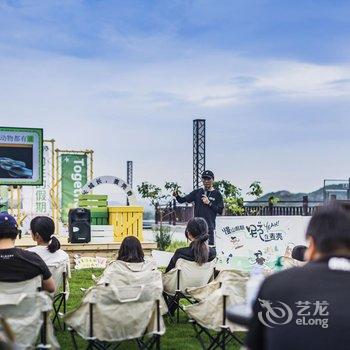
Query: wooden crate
{"type": "Point", "coordinates": [93, 200]}
{"type": "Point", "coordinates": [98, 207]}
{"type": "Point", "coordinates": [127, 221]}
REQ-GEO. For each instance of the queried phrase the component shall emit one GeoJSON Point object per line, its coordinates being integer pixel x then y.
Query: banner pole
{"type": "Point", "coordinates": [57, 207]}
{"type": "Point", "coordinates": [91, 164]}
{"type": "Point", "coordinates": [11, 197]}
{"type": "Point", "coordinates": [18, 190]}
{"type": "Point", "coordinates": [53, 207]}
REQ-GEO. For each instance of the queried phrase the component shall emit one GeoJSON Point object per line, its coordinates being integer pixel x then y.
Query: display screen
{"type": "Point", "coordinates": [21, 156]}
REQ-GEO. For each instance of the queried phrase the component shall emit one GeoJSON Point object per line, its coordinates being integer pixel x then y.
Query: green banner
{"type": "Point", "coordinates": [74, 177]}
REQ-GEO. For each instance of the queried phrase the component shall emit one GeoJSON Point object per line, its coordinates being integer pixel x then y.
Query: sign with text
{"type": "Point", "coordinates": [246, 241]}
{"type": "Point", "coordinates": [21, 156]}
{"type": "Point", "coordinates": [74, 177]}
{"type": "Point", "coordinates": [87, 262]}
{"type": "Point", "coordinates": [42, 193]}
{"type": "Point", "coordinates": [111, 180]}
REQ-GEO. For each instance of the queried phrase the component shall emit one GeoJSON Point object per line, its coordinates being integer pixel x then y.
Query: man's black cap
{"type": "Point", "coordinates": [208, 175]}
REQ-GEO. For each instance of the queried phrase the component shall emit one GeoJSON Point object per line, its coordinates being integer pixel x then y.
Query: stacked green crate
{"type": "Point", "coordinates": [97, 203]}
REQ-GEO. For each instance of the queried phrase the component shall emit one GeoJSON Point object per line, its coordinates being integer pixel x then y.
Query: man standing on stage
{"type": "Point", "coordinates": [208, 202]}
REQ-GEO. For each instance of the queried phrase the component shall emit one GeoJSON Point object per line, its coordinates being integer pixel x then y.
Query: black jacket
{"type": "Point", "coordinates": [187, 253]}
{"type": "Point", "coordinates": [207, 212]}
{"type": "Point", "coordinates": [315, 296]}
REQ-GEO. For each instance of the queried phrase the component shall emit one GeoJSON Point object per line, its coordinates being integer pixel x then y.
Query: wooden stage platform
{"type": "Point", "coordinates": [105, 250]}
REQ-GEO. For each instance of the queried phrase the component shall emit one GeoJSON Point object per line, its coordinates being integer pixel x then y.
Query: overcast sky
{"type": "Point", "coordinates": [126, 79]}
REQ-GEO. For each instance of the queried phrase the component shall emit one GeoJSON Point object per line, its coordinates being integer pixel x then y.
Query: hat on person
{"type": "Point", "coordinates": [7, 220]}
{"type": "Point", "coordinates": [208, 174]}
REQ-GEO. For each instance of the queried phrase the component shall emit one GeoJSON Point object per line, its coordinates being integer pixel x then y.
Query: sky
{"type": "Point", "coordinates": [126, 79]}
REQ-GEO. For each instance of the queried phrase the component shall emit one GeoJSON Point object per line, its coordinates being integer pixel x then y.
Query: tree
{"type": "Point", "coordinates": [227, 189]}
{"type": "Point", "coordinates": [173, 187]}
{"type": "Point", "coordinates": [151, 192]}
{"type": "Point", "coordinates": [255, 189]}
{"type": "Point", "coordinates": [232, 195]}
{"type": "Point", "coordinates": [157, 197]}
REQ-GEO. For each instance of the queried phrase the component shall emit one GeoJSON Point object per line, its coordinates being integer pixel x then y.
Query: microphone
{"type": "Point", "coordinates": [298, 252]}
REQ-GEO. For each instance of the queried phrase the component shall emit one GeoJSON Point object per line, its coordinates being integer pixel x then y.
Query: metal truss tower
{"type": "Point", "coordinates": [129, 172]}
{"type": "Point", "coordinates": [129, 175]}
{"type": "Point", "coordinates": [198, 151]}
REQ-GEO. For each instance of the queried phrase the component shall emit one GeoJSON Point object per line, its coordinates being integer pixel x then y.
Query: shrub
{"type": "Point", "coordinates": [162, 236]}
{"type": "Point", "coordinates": [176, 244]}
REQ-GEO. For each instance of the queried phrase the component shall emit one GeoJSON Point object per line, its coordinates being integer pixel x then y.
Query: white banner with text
{"type": "Point", "coordinates": [246, 241]}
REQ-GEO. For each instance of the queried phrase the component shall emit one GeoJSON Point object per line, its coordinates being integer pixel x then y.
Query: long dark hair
{"type": "Point", "coordinates": [45, 228]}
{"type": "Point", "coordinates": [131, 250]}
{"type": "Point", "coordinates": [198, 229]}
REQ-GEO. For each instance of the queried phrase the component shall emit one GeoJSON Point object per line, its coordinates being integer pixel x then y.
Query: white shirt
{"type": "Point", "coordinates": [58, 257]}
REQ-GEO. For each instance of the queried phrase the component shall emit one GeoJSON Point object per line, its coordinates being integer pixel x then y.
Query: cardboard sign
{"type": "Point", "coordinates": [87, 262]}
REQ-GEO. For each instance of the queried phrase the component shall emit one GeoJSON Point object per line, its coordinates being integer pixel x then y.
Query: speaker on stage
{"type": "Point", "coordinates": [79, 225]}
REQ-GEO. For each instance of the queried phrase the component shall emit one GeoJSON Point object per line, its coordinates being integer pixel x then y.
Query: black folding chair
{"type": "Point", "coordinates": [60, 296]}
{"type": "Point", "coordinates": [43, 333]}
{"type": "Point", "coordinates": [60, 304]}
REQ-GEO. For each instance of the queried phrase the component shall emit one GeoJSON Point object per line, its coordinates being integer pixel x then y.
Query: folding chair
{"type": "Point", "coordinates": [209, 320]}
{"type": "Point", "coordinates": [29, 286]}
{"type": "Point", "coordinates": [60, 274]}
{"type": "Point", "coordinates": [26, 311]}
{"type": "Point", "coordinates": [110, 315]}
{"type": "Point", "coordinates": [238, 278]}
{"type": "Point", "coordinates": [121, 273]}
{"type": "Point", "coordinates": [186, 274]}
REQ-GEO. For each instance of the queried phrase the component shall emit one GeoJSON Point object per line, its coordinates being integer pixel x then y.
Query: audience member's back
{"type": "Point", "coordinates": [308, 307]}
{"type": "Point", "coordinates": [130, 266]}
{"type": "Point", "coordinates": [48, 246]}
{"type": "Point", "coordinates": [198, 250]}
{"type": "Point", "coordinates": [18, 265]}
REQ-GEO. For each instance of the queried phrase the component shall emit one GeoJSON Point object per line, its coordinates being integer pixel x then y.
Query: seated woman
{"type": "Point", "coordinates": [48, 246]}
{"type": "Point", "coordinates": [130, 266]}
{"type": "Point", "coordinates": [198, 250]}
{"type": "Point", "coordinates": [131, 250]}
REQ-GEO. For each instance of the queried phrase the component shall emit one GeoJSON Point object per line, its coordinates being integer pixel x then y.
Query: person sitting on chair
{"type": "Point", "coordinates": [130, 265]}
{"type": "Point", "coordinates": [198, 250]}
{"type": "Point", "coordinates": [48, 246]}
{"type": "Point", "coordinates": [131, 250]}
{"type": "Point", "coordinates": [17, 265]}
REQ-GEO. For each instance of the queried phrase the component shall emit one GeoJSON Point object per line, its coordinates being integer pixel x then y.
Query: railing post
{"type": "Point", "coordinates": [174, 212]}
{"type": "Point", "coordinates": [156, 216]}
{"type": "Point", "coordinates": [169, 212]}
{"type": "Point", "coordinates": [305, 205]}
{"type": "Point", "coordinates": [270, 206]}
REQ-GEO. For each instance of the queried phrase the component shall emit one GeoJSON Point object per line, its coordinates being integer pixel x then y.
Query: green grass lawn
{"type": "Point", "coordinates": [177, 336]}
